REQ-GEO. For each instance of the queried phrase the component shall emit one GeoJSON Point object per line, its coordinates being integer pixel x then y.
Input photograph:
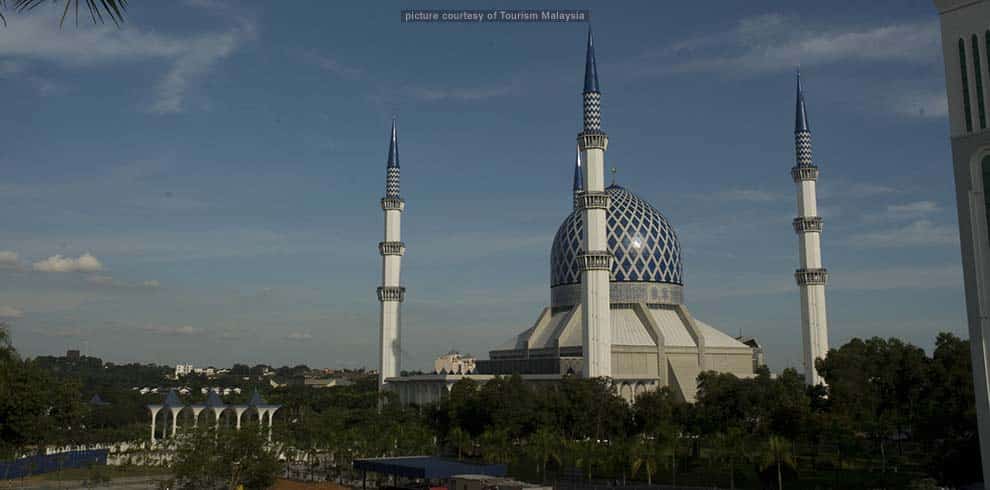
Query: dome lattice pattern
{"type": "Point", "coordinates": [643, 243]}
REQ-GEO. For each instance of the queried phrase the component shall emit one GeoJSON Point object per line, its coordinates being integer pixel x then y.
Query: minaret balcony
{"type": "Point", "coordinates": [808, 224]}
{"type": "Point", "coordinates": [804, 172]}
{"type": "Point", "coordinates": [393, 204]}
{"type": "Point", "coordinates": [592, 140]}
{"type": "Point", "coordinates": [391, 248]}
{"type": "Point", "coordinates": [596, 261]}
{"type": "Point", "coordinates": [811, 277]}
{"type": "Point", "coordinates": [592, 200]}
{"type": "Point", "coordinates": [391, 293]}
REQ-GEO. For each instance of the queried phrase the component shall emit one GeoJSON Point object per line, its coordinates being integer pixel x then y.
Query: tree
{"type": "Point", "coordinates": [777, 453]}
{"type": "Point", "coordinates": [544, 447]}
{"type": "Point", "coordinates": [644, 456]}
{"type": "Point", "coordinates": [225, 459]}
{"type": "Point", "coordinates": [496, 447]}
{"type": "Point", "coordinates": [460, 440]}
{"type": "Point", "coordinates": [729, 448]}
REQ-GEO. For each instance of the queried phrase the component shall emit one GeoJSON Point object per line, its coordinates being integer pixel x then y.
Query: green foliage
{"type": "Point", "coordinates": [212, 459]}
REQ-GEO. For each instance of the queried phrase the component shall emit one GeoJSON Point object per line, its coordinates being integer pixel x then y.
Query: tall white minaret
{"type": "Point", "coordinates": [811, 277]}
{"type": "Point", "coordinates": [596, 260]}
{"type": "Point", "coordinates": [391, 294]}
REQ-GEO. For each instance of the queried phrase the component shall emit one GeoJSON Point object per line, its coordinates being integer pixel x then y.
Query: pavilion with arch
{"type": "Point", "coordinates": [214, 411]}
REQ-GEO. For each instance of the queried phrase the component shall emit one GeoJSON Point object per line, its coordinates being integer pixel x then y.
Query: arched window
{"type": "Point", "coordinates": [978, 77]}
{"type": "Point", "coordinates": [968, 112]}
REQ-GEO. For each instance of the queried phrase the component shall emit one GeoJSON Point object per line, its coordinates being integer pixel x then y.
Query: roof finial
{"type": "Point", "coordinates": [614, 170]}
{"type": "Point", "coordinates": [590, 67]}
{"type": "Point", "coordinates": [800, 113]}
{"type": "Point", "coordinates": [393, 148]}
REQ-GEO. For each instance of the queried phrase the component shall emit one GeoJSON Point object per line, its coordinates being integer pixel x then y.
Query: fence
{"type": "Point", "coordinates": [35, 465]}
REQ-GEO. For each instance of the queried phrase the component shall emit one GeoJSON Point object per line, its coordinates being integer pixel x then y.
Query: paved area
{"type": "Point", "coordinates": [122, 483]}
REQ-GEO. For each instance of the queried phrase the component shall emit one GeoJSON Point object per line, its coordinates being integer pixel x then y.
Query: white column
{"type": "Point", "coordinates": [196, 411]}
{"type": "Point", "coordinates": [239, 411]}
{"type": "Point", "coordinates": [154, 414]}
{"type": "Point", "coordinates": [175, 418]}
{"type": "Point", "coordinates": [597, 260]}
{"type": "Point", "coordinates": [811, 275]}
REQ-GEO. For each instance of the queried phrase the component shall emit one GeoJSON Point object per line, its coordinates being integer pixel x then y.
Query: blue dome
{"type": "Point", "coordinates": [643, 243]}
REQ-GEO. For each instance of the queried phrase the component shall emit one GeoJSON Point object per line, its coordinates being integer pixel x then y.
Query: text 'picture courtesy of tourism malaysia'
{"type": "Point", "coordinates": [624, 206]}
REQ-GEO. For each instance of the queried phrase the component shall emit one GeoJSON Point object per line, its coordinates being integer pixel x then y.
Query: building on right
{"type": "Point", "coordinates": [966, 53]}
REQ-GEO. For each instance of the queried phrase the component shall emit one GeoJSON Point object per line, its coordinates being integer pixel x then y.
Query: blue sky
{"type": "Point", "coordinates": [202, 184]}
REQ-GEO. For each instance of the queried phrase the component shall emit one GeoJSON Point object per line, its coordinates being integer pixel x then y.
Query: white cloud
{"type": "Point", "coordinates": [923, 277]}
{"type": "Point", "coordinates": [57, 263]}
{"type": "Point", "coordinates": [916, 234]}
{"type": "Point", "coordinates": [920, 104]}
{"type": "Point", "coordinates": [463, 94]}
{"type": "Point", "coordinates": [184, 330]}
{"type": "Point", "coordinates": [10, 312]}
{"type": "Point", "coordinates": [774, 42]}
{"type": "Point", "coordinates": [299, 336]}
{"type": "Point", "coordinates": [188, 58]}
{"type": "Point", "coordinates": [8, 259]}
{"type": "Point", "coordinates": [747, 195]}
{"type": "Point", "coordinates": [334, 66]}
{"type": "Point", "coordinates": [912, 208]}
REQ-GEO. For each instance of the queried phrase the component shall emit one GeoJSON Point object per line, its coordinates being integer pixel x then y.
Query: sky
{"type": "Point", "coordinates": [202, 184]}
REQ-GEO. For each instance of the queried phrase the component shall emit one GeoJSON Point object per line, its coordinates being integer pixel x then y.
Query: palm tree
{"type": "Point", "coordinates": [496, 446]}
{"type": "Point", "coordinates": [728, 448]}
{"type": "Point", "coordinates": [644, 456]}
{"type": "Point", "coordinates": [544, 446]}
{"type": "Point", "coordinates": [777, 453]}
{"type": "Point", "coordinates": [459, 439]}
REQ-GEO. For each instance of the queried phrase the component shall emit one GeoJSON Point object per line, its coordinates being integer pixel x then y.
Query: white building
{"type": "Point", "coordinates": [966, 53]}
{"type": "Point", "coordinates": [455, 363]}
{"type": "Point", "coordinates": [183, 369]}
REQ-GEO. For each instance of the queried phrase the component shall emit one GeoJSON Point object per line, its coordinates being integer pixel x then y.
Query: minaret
{"type": "Point", "coordinates": [811, 277]}
{"type": "Point", "coordinates": [578, 180]}
{"type": "Point", "coordinates": [391, 294]}
{"type": "Point", "coordinates": [596, 260]}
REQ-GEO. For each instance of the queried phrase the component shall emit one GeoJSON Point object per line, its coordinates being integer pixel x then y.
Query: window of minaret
{"type": "Point", "coordinates": [978, 77]}
{"type": "Point", "coordinates": [965, 86]}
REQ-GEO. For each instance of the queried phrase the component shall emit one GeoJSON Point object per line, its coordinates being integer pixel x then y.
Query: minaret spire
{"type": "Point", "coordinates": [590, 67]}
{"type": "Point", "coordinates": [800, 113]}
{"type": "Point", "coordinates": [811, 276]}
{"type": "Point", "coordinates": [391, 293]}
{"type": "Point", "coordinates": [593, 202]}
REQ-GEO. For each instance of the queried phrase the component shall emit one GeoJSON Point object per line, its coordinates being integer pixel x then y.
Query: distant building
{"type": "Point", "coordinates": [183, 370]}
{"type": "Point", "coordinates": [455, 363]}
{"type": "Point", "coordinates": [326, 382]}
{"type": "Point", "coordinates": [72, 354]}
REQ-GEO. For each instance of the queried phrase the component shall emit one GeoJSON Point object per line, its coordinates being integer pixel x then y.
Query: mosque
{"type": "Point", "coordinates": [617, 306]}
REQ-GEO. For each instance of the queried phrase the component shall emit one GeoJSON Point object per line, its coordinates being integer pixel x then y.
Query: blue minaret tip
{"type": "Point", "coordinates": [801, 114]}
{"type": "Point", "coordinates": [590, 68]}
{"type": "Point", "coordinates": [578, 175]}
{"type": "Point", "coordinates": [393, 148]}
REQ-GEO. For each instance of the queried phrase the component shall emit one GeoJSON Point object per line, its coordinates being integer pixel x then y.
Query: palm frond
{"type": "Point", "coordinates": [114, 9]}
